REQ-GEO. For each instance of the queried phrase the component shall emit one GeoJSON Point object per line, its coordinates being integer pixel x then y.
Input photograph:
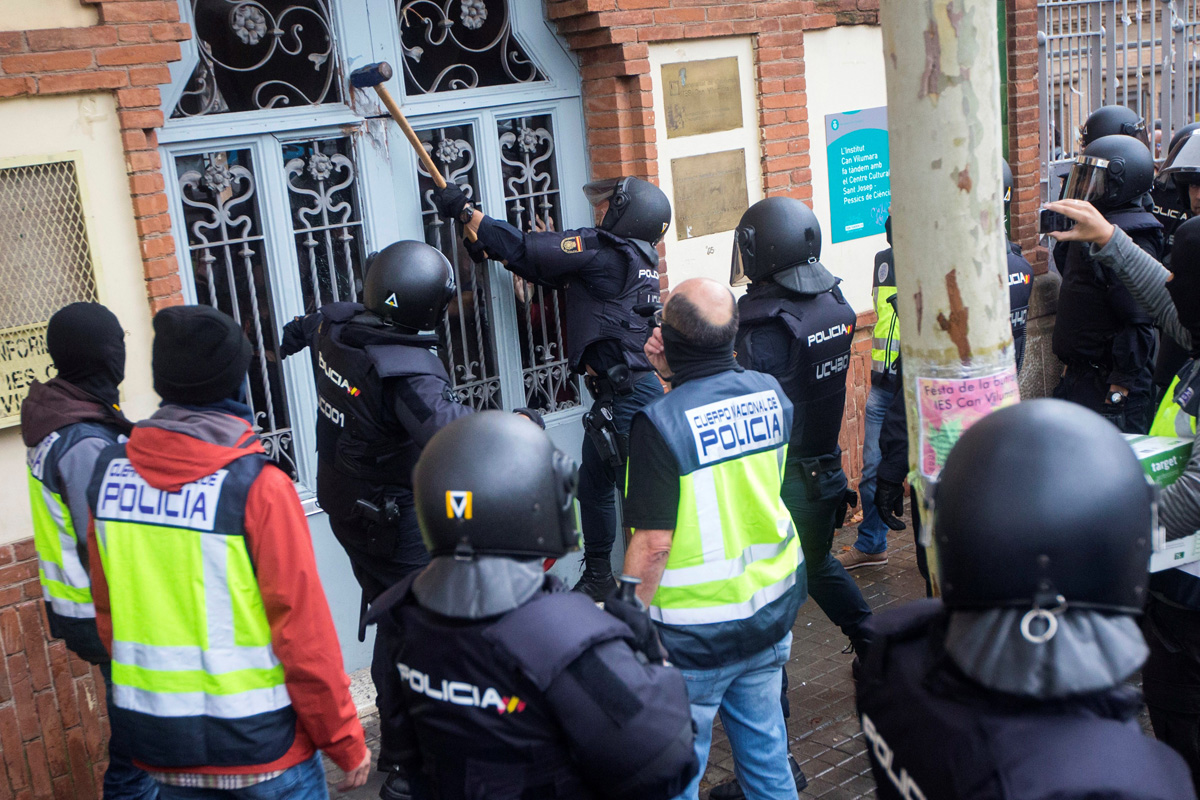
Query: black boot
{"type": "Point", "coordinates": [395, 787]}
{"type": "Point", "coordinates": [597, 581]}
{"type": "Point", "coordinates": [732, 790]}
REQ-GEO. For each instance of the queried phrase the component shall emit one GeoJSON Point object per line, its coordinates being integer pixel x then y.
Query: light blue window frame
{"type": "Point", "coordinates": [367, 31]}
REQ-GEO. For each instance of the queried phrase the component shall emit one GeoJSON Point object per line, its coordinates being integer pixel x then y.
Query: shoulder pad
{"type": "Point", "coordinates": [884, 275]}
{"type": "Point", "coordinates": [755, 309]}
{"type": "Point", "coordinates": [395, 596]}
{"type": "Point", "coordinates": [1133, 220]}
{"type": "Point", "coordinates": [341, 312]}
{"type": "Point", "coordinates": [543, 637]}
{"type": "Point", "coordinates": [908, 620]}
{"type": "Point", "coordinates": [396, 361]}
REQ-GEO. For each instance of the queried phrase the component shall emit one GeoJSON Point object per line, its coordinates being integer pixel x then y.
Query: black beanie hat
{"type": "Point", "coordinates": [200, 355]}
{"type": "Point", "coordinates": [87, 344]}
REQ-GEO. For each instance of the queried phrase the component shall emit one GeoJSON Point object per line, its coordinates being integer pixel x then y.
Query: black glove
{"type": "Point", "coordinates": [475, 249]}
{"type": "Point", "coordinates": [849, 501]}
{"type": "Point", "coordinates": [293, 338]}
{"type": "Point", "coordinates": [889, 502]}
{"type": "Point", "coordinates": [645, 635]}
{"type": "Point", "coordinates": [533, 415]}
{"type": "Point", "coordinates": [450, 201]}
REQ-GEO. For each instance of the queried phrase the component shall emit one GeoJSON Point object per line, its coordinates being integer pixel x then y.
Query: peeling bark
{"type": "Point", "coordinates": [943, 87]}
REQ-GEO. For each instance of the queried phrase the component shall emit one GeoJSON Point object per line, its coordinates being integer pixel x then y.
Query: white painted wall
{"type": "Point", "coordinates": [31, 15]}
{"type": "Point", "coordinates": [86, 124]}
{"type": "Point", "coordinates": [706, 256]}
{"type": "Point", "coordinates": [844, 71]}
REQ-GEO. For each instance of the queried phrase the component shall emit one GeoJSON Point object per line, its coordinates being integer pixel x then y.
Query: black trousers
{"type": "Point", "coordinates": [1088, 387]}
{"type": "Point", "coordinates": [1171, 678]}
{"type": "Point", "coordinates": [380, 559]}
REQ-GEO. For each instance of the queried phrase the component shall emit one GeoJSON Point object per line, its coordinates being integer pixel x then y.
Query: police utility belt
{"type": "Point", "coordinates": [598, 422]}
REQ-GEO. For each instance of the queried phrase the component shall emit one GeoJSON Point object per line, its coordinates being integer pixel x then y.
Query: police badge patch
{"type": "Point", "coordinates": [881, 274]}
{"type": "Point", "coordinates": [573, 244]}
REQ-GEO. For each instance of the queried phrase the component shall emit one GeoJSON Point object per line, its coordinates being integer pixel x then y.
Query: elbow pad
{"type": "Point", "coordinates": [629, 723]}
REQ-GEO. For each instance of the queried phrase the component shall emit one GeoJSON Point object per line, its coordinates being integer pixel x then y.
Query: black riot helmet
{"type": "Point", "coordinates": [494, 484]}
{"type": "Point", "coordinates": [1182, 167]}
{"type": "Point", "coordinates": [1040, 501]}
{"type": "Point", "coordinates": [1112, 172]}
{"type": "Point", "coordinates": [408, 284]}
{"type": "Point", "coordinates": [1113, 121]}
{"type": "Point", "coordinates": [637, 209]}
{"type": "Point", "coordinates": [779, 238]}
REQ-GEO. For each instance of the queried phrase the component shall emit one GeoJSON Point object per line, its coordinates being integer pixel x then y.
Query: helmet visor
{"type": "Point", "coordinates": [1183, 159]}
{"type": "Point", "coordinates": [737, 272]}
{"type": "Point", "coordinates": [1088, 179]}
{"type": "Point", "coordinates": [597, 192]}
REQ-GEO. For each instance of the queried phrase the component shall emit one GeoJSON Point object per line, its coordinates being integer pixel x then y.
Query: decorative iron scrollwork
{"type": "Point", "coordinates": [460, 44]}
{"type": "Point", "coordinates": [225, 241]}
{"type": "Point", "coordinates": [531, 202]}
{"type": "Point", "coordinates": [468, 346]}
{"type": "Point", "coordinates": [257, 54]}
{"type": "Point", "coordinates": [326, 219]}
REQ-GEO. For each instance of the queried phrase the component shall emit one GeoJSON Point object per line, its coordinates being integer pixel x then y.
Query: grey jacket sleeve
{"type": "Point", "coordinates": [1146, 280]}
{"type": "Point", "coordinates": [75, 469]}
{"type": "Point", "coordinates": [1179, 504]}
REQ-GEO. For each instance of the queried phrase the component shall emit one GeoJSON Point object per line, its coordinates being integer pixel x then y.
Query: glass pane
{"type": "Point", "coordinates": [531, 201]}
{"type": "Point", "coordinates": [468, 333]}
{"type": "Point", "coordinates": [326, 219]}
{"type": "Point", "coordinates": [460, 44]}
{"type": "Point", "coordinates": [257, 54]}
{"type": "Point", "coordinates": [225, 242]}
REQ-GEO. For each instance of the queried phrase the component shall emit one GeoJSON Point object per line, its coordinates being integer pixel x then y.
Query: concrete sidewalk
{"type": "Point", "coordinates": [825, 737]}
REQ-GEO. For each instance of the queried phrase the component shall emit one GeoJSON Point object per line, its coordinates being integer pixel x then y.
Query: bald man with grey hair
{"type": "Point", "coordinates": [713, 544]}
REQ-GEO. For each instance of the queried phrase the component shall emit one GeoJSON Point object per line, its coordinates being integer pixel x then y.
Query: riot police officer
{"type": "Point", "coordinates": [1012, 685]}
{"type": "Point", "coordinates": [382, 394]}
{"type": "Point", "coordinates": [1176, 197]}
{"type": "Point", "coordinates": [796, 326]}
{"type": "Point", "coordinates": [1020, 276]}
{"type": "Point", "coordinates": [607, 272]}
{"type": "Point", "coordinates": [513, 686]}
{"type": "Point", "coordinates": [1105, 340]}
{"type": "Point", "coordinates": [1113, 121]}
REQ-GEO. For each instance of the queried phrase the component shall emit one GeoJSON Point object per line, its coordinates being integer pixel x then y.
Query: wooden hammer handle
{"type": "Point", "coordinates": [423, 154]}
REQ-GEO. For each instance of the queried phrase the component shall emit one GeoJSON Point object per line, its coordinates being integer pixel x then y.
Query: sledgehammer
{"type": "Point", "coordinates": [373, 76]}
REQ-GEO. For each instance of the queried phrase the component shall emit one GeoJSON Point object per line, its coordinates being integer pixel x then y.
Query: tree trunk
{"type": "Point", "coordinates": [947, 226]}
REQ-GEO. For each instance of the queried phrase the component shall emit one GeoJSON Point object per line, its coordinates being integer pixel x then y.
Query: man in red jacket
{"type": "Point", "coordinates": [226, 668]}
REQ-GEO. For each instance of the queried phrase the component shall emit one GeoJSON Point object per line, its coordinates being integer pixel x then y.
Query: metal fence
{"type": "Point", "coordinates": [1137, 53]}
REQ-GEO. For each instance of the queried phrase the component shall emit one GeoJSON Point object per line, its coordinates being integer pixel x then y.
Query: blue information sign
{"type": "Point", "coordinates": [860, 187]}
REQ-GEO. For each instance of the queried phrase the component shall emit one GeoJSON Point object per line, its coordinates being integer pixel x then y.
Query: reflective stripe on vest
{"type": "Point", "coordinates": [1171, 420]}
{"type": "Point", "coordinates": [734, 549]}
{"type": "Point", "coordinates": [190, 633]}
{"type": "Point", "coordinates": [66, 586]}
{"type": "Point", "coordinates": [885, 349]}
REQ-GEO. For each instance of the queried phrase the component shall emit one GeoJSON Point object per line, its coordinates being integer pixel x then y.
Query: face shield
{"type": "Point", "coordinates": [743, 239]}
{"type": "Point", "coordinates": [1183, 159]}
{"type": "Point", "coordinates": [1088, 180]}
{"type": "Point", "coordinates": [598, 192]}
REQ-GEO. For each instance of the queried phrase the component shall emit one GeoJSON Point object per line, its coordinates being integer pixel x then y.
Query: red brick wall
{"type": "Point", "coordinates": [127, 53]}
{"type": "Point", "coordinates": [1023, 140]}
{"type": "Point", "coordinates": [53, 723]}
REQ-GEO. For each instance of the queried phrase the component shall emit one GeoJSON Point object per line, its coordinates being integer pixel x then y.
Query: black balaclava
{"type": "Point", "coordinates": [688, 360]}
{"type": "Point", "coordinates": [87, 344]}
{"type": "Point", "coordinates": [1184, 287]}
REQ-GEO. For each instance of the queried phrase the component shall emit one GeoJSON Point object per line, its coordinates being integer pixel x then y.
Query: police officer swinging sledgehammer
{"type": "Point", "coordinates": [514, 687]}
{"type": "Point", "coordinates": [382, 393]}
{"type": "Point", "coordinates": [606, 271]}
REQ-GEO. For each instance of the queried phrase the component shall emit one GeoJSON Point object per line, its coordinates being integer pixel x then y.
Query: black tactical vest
{"type": "Point", "coordinates": [475, 692]}
{"type": "Point", "coordinates": [933, 733]}
{"type": "Point", "coordinates": [1170, 213]}
{"type": "Point", "coordinates": [821, 328]}
{"type": "Point", "coordinates": [356, 432]}
{"type": "Point", "coordinates": [589, 318]}
{"type": "Point", "coordinates": [1085, 325]}
{"type": "Point", "coordinates": [1020, 287]}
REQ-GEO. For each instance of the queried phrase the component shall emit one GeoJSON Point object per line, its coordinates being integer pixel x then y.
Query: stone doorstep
{"type": "Point", "coordinates": [362, 692]}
